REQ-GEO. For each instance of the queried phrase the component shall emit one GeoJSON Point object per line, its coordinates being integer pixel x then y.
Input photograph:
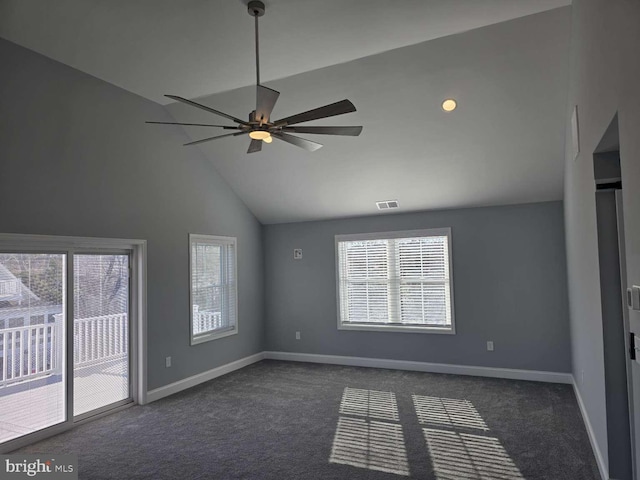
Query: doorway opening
{"type": "Point", "coordinates": [615, 321]}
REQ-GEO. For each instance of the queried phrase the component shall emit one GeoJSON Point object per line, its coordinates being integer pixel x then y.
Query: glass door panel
{"type": "Point", "coordinates": [100, 331]}
{"type": "Point", "coordinates": [32, 343]}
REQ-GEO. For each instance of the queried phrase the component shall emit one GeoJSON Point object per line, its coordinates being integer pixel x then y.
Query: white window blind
{"type": "Point", "coordinates": [213, 287]}
{"type": "Point", "coordinates": [403, 280]}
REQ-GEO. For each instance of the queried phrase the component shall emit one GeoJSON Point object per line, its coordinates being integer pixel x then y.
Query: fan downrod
{"type": "Point", "coordinates": [260, 127]}
{"type": "Point", "coordinates": [256, 8]}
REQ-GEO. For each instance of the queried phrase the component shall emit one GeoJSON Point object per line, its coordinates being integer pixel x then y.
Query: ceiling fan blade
{"type": "Point", "coordinates": [208, 109]}
{"type": "Point", "coordinates": [350, 131]}
{"type": "Point", "coordinates": [215, 138]}
{"type": "Point", "coordinates": [297, 141]}
{"type": "Point", "coordinates": [338, 108]}
{"type": "Point", "coordinates": [228, 127]}
{"type": "Point", "coordinates": [266, 99]}
{"type": "Point", "coordinates": [255, 146]}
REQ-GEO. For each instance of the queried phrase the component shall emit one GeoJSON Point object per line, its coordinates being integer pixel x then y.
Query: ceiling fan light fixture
{"type": "Point", "coordinates": [268, 139]}
{"type": "Point", "coordinates": [449, 105]}
{"type": "Point", "coordinates": [259, 135]}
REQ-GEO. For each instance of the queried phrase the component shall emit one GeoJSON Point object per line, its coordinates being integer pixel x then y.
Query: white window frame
{"type": "Point", "coordinates": [439, 232]}
{"type": "Point", "coordinates": [224, 242]}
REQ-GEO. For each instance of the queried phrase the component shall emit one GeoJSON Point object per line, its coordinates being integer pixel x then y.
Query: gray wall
{"type": "Point", "coordinates": [77, 159]}
{"type": "Point", "coordinates": [605, 68]}
{"type": "Point", "coordinates": [509, 283]}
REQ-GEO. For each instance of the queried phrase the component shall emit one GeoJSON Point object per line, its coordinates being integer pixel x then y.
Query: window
{"type": "Point", "coordinates": [395, 281]}
{"type": "Point", "coordinates": [213, 287]}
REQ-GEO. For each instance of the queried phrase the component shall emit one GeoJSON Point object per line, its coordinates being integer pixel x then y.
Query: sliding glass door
{"type": "Point", "coordinates": [66, 332]}
{"type": "Point", "coordinates": [32, 343]}
{"type": "Point", "coordinates": [101, 375]}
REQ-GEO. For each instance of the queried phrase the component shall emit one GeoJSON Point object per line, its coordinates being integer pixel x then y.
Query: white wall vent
{"type": "Point", "coordinates": [387, 204]}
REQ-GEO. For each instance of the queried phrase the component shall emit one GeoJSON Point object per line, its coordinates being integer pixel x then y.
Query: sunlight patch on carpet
{"type": "Point", "coordinates": [371, 444]}
{"type": "Point", "coordinates": [369, 403]}
{"type": "Point", "coordinates": [448, 412]}
{"type": "Point", "coordinates": [463, 456]}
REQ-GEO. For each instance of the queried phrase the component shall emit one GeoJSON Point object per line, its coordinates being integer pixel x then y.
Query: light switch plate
{"type": "Point", "coordinates": [297, 254]}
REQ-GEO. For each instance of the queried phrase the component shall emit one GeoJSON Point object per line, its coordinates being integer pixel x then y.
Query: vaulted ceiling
{"type": "Point", "coordinates": [504, 61]}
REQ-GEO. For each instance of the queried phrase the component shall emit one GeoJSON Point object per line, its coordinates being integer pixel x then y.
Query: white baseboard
{"type": "Point", "coordinates": [189, 382]}
{"type": "Point", "coordinates": [602, 465]}
{"type": "Point", "coordinates": [165, 391]}
{"type": "Point", "coordinates": [514, 374]}
{"type": "Point", "coordinates": [552, 377]}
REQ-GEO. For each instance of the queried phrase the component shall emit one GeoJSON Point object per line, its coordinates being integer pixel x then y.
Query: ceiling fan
{"type": "Point", "coordinates": [260, 128]}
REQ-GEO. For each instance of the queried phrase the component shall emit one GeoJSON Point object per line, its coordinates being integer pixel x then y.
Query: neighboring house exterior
{"type": "Point", "coordinates": [13, 290]}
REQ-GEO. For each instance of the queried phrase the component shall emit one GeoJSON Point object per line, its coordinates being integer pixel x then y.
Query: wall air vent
{"type": "Point", "coordinates": [387, 204]}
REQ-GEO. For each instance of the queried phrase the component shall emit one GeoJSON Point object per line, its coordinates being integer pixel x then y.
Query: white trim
{"type": "Point", "coordinates": [139, 304]}
{"type": "Point", "coordinates": [602, 465]}
{"type": "Point", "coordinates": [425, 232]}
{"type": "Point", "coordinates": [533, 375]}
{"type": "Point", "coordinates": [493, 372]}
{"type": "Point", "coordinates": [67, 243]}
{"type": "Point", "coordinates": [180, 385]}
{"type": "Point", "coordinates": [215, 335]}
{"type": "Point", "coordinates": [372, 327]}
{"type": "Point", "coordinates": [221, 242]}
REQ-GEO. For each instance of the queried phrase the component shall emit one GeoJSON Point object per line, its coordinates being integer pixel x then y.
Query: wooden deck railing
{"type": "Point", "coordinates": [29, 352]}
{"type": "Point", "coordinates": [100, 339]}
{"type": "Point", "coordinates": [33, 351]}
{"type": "Point", "coordinates": [205, 321]}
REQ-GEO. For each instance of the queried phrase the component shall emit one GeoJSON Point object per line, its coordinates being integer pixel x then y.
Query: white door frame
{"type": "Point", "coordinates": [627, 324]}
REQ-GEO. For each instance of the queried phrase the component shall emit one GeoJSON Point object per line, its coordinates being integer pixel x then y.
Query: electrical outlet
{"type": "Point", "coordinates": [167, 362]}
{"type": "Point", "coordinates": [297, 335]}
{"type": "Point", "coordinates": [490, 346]}
{"type": "Point", "coordinates": [297, 254]}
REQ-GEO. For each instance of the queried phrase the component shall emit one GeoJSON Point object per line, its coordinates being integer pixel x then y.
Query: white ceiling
{"type": "Point", "coordinates": [504, 144]}
{"type": "Point", "coordinates": [194, 48]}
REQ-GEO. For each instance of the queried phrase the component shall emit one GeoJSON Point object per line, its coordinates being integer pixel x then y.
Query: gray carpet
{"type": "Point", "coordinates": [285, 420]}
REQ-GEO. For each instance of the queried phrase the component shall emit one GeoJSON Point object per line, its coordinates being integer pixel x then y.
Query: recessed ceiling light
{"type": "Point", "coordinates": [449, 105]}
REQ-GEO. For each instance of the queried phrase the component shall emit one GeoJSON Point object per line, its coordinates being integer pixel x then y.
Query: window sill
{"type": "Point", "coordinates": [397, 328]}
{"type": "Point", "coordinates": [213, 336]}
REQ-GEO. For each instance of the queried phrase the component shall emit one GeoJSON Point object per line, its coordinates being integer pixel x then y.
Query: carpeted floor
{"type": "Point", "coordinates": [284, 420]}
